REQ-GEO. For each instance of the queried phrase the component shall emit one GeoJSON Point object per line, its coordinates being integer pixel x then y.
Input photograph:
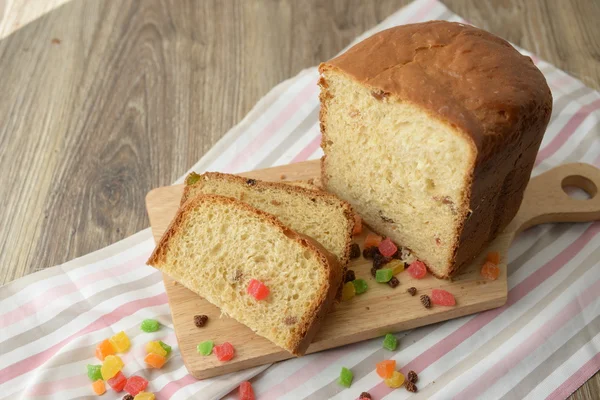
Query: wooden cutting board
{"type": "Point", "coordinates": [381, 309]}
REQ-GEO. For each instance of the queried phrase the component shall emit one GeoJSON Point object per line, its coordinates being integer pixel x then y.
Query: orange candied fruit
{"type": "Point", "coordinates": [386, 368]}
{"type": "Point", "coordinates": [105, 348]}
{"type": "Point", "coordinates": [493, 257]}
{"type": "Point", "coordinates": [155, 360]}
{"type": "Point", "coordinates": [372, 240]}
{"type": "Point", "coordinates": [490, 271]}
{"type": "Point", "coordinates": [357, 225]}
{"type": "Point", "coordinates": [99, 387]}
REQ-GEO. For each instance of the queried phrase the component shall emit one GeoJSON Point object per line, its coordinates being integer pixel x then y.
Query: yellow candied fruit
{"type": "Point", "coordinates": [348, 291]}
{"type": "Point", "coordinates": [111, 366]}
{"type": "Point", "coordinates": [395, 381]}
{"type": "Point", "coordinates": [144, 396]}
{"type": "Point", "coordinates": [120, 342]}
{"type": "Point", "coordinates": [156, 348]}
{"type": "Point", "coordinates": [397, 266]}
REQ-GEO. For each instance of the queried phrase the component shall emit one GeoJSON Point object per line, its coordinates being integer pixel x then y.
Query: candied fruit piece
{"type": "Point", "coordinates": [156, 348]}
{"type": "Point", "coordinates": [155, 360]}
{"type": "Point", "coordinates": [385, 368]}
{"type": "Point", "coordinates": [383, 275]}
{"type": "Point", "coordinates": [224, 352]}
{"type": "Point", "coordinates": [257, 289]}
{"type": "Point", "coordinates": [357, 225]}
{"type": "Point", "coordinates": [348, 291]}
{"type": "Point", "coordinates": [387, 248]}
{"type": "Point", "coordinates": [135, 385]}
{"type": "Point", "coordinates": [117, 382]}
{"type": "Point", "coordinates": [120, 342]}
{"type": "Point", "coordinates": [390, 342]}
{"type": "Point", "coordinates": [396, 266]}
{"type": "Point", "coordinates": [99, 387]}
{"type": "Point", "coordinates": [346, 377]}
{"type": "Point", "coordinates": [165, 346]}
{"type": "Point", "coordinates": [111, 366]}
{"type": "Point", "coordinates": [395, 381]}
{"type": "Point", "coordinates": [149, 325]}
{"type": "Point", "coordinates": [360, 286]}
{"type": "Point", "coordinates": [493, 257]}
{"type": "Point", "coordinates": [490, 271]}
{"type": "Point", "coordinates": [205, 348]}
{"type": "Point", "coordinates": [105, 348]}
{"type": "Point", "coordinates": [93, 372]}
{"type": "Point", "coordinates": [372, 240]}
{"type": "Point", "coordinates": [442, 298]}
{"type": "Point", "coordinates": [417, 269]}
{"type": "Point", "coordinates": [246, 392]}
{"type": "Point", "coordinates": [192, 178]}
{"type": "Point", "coordinates": [144, 396]}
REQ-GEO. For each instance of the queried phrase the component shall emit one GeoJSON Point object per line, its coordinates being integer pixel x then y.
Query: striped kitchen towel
{"type": "Point", "coordinates": [544, 343]}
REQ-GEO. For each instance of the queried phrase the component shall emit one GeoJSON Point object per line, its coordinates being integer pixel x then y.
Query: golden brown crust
{"type": "Point", "coordinates": [481, 87]}
{"type": "Point", "coordinates": [317, 310]}
{"type": "Point", "coordinates": [463, 75]}
{"type": "Point", "coordinates": [326, 301]}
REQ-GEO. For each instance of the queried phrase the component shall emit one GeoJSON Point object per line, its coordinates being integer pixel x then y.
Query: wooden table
{"type": "Point", "coordinates": [96, 108]}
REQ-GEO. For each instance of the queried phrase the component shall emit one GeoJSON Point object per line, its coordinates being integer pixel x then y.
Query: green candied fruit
{"type": "Point", "coordinates": [149, 325]}
{"type": "Point", "coordinates": [384, 275]}
{"type": "Point", "coordinates": [165, 346]}
{"type": "Point", "coordinates": [205, 348]}
{"type": "Point", "coordinates": [390, 342]}
{"type": "Point", "coordinates": [346, 377]}
{"type": "Point", "coordinates": [360, 286]}
{"type": "Point", "coordinates": [192, 178]}
{"type": "Point", "coordinates": [93, 372]}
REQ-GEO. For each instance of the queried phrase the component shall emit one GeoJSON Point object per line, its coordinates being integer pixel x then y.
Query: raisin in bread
{"type": "Point", "coordinates": [317, 214]}
{"type": "Point", "coordinates": [215, 245]}
{"type": "Point", "coordinates": [431, 131]}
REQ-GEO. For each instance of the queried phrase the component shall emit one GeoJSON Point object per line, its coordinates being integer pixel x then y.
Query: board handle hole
{"type": "Point", "coordinates": [579, 187]}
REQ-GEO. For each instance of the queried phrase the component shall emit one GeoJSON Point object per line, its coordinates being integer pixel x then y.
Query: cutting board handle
{"type": "Point", "coordinates": [545, 199]}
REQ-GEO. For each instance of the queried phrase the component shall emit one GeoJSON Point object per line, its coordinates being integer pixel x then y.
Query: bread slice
{"type": "Point", "coordinates": [431, 131]}
{"type": "Point", "coordinates": [314, 213]}
{"type": "Point", "coordinates": [215, 245]}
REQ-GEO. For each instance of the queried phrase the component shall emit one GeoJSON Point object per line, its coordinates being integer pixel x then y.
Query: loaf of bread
{"type": "Point", "coordinates": [430, 131]}
{"type": "Point", "coordinates": [317, 214]}
{"type": "Point", "coordinates": [216, 245]}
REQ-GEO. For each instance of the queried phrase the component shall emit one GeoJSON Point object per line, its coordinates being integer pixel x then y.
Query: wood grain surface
{"type": "Point", "coordinates": [96, 105]}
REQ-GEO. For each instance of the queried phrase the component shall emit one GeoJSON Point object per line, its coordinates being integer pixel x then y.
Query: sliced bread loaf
{"type": "Point", "coordinates": [216, 245]}
{"type": "Point", "coordinates": [317, 214]}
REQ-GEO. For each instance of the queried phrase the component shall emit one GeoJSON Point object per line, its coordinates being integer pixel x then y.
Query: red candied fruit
{"type": "Point", "coordinates": [357, 225]}
{"type": "Point", "coordinates": [257, 289]}
{"type": "Point", "coordinates": [387, 248]}
{"type": "Point", "coordinates": [246, 391]}
{"type": "Point", "coordinates": [135, 384]}
{"type": "Point", "coordinates": [117, 382]}
{"type": "Point", "coordinates": [224, 352]}
{"type": "Point", "coordinates": [417, 269]}
{"type": "Point", "coordinates": [442, 297]}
